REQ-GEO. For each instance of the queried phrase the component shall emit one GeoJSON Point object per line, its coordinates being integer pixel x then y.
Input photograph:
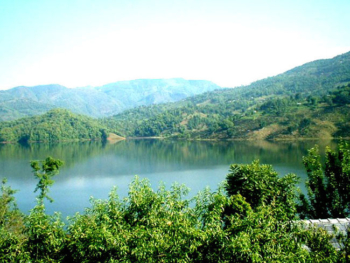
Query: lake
{"type": "Point", "coordinates": [93, 168]}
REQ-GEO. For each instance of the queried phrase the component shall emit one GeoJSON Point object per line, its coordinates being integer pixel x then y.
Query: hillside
{"type": "Point", "coordinates": [301, 103]}
{"type": "Point", "coordinates": [55, 125]}
{"type": "Point", "coordinates": [100, 101]}
{"type": "Point", "coordinates": [310, 101]}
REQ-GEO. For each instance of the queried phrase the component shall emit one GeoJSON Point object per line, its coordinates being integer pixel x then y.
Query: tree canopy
{"type": "Point", "coordinates": [55, 125]}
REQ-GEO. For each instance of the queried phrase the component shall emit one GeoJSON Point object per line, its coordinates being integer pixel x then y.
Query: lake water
{"type": "Point", "coordinates": [93, 168]}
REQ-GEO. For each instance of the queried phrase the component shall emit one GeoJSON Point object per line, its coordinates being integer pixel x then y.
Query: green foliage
{"type": "Point", "coordinates": [7, 204]}
{"type": "Point", "coordinates": [302, 94]}
{"type": "Point", "coordinates": [46, 237]}
{"type": "Point", "coordinates": [162, 226]}
{"type": "Point", "coordinates": [317, 91]}
{"type": "Point", "coordinates": [147, 226]}
{"type": "Point", "coordinates": [261, 237]}
{"type": "Point", "coordinates": [236, 117]}
{"type": "Point", "coordinates": [165, 226]}
{"type": "Point", "coordinates": [341, 96]}
{"type": "Point", "coordinates": [12, 247]}
{"type": "Point", "coordinates": [237, 205]}
{"type": "Point", "coordinates": [277, 106]}
{"type": "Point", "coordinates": [55, 125]}
{"type": "Point", "coordinates": [37, 237]}
{"type": "Point", "coordinates": [318, 242]}
{"type": "Point", "coordinates": [344, 240]}
{"type": "Point", "coordinates": [11, 228]}
{"type": "Point", "coordinates": [346, 249]}
{"type": "Point", "coordinates": [261, 185]}
{"type": "Point", "coordinates": [49, 168]}
{"type": "Point", "coordinates": [329, 188]}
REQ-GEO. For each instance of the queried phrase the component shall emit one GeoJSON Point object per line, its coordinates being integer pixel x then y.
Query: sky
{"type": "Point", "coordinates": [79, 43]}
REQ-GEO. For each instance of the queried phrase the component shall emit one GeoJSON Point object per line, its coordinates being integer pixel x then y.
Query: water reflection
{"type": "Point", "coordinates": [93, 168]}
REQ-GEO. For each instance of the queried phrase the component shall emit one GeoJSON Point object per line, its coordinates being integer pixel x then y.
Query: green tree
{"type": "Point", "coordinates": [328, 189]}
{"type": "Point", "coordinates": [165, 226]}
{"type": "Point", "coordinates": [49, 168]}
{"type": "Point", "coordinates": [45, 234]}
{"type": "Point", "coordinates": [260, 184]}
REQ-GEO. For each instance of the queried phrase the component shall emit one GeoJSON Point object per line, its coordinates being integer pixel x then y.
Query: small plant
{"type": "Point", "coordinates": [49, 168]}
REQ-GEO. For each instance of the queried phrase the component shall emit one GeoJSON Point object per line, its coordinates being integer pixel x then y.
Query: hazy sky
{"type": "Point", "coordinates": [94, 42]}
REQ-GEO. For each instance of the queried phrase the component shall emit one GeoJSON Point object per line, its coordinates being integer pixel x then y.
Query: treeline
{"type": "Point", "coordinates": [308, 101]}
{"type": "Point", "coordinates": [220, 115]}
{"type": "Point", "coordinates": [252, 217]}
{"type": "Point", "coordinates": [207, 116]}
{"type": "Point", "coordinates": [55, 125]}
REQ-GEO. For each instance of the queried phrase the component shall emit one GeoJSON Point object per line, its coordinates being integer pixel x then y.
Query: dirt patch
{"type": "Point", "coordinates": [264, 132]}
{"type": "Point", "coordinates": [112, 137]}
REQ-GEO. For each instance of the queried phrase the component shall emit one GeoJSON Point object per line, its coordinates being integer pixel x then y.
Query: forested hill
{"type": "Point", "coordinates": [55, 125]}
{"type": "Point", "coordinates": [306, 102]}
{"type": "Point", "coordinates": [313, 78]}
{"type": "Point", "coordinates": [310, 101]}
{"type": "Point", "coordinates": [100, 101]}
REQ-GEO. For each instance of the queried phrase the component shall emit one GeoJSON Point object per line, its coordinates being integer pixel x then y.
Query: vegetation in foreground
{"type": "Point", "coordinates": [251, 218]}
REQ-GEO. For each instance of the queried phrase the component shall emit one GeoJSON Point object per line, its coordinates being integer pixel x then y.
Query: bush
{"type": "Point", "coordinates": [250, 224]}
{"type": "Point", "coordinates": [260, 184]}
{"type": "Point", "coordinates": [328, 189]}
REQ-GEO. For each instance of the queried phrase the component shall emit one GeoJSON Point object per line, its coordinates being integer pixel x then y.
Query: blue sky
{"type": "Point", "coordinates": [87, 42]}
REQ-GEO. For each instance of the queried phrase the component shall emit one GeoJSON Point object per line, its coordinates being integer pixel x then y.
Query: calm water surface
{"type": "Point", "coordinates": [93, 168]}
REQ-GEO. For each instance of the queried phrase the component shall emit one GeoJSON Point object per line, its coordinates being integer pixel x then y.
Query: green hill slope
{"type": "Point", "coordinates": [55, 125]}
{"type": "Point", "coordinates": [300, 103]}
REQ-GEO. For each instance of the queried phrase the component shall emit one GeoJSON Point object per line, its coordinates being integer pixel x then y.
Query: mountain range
{"type": "Point", "coordinates": [310, 101]}
{"type": "Point", "coordinates": [99, 101]}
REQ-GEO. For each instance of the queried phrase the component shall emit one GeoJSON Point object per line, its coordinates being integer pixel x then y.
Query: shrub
{"type": "Point", "coordinates": [260, 184]}
{"type": "Point", "coordinates": [328, 189]}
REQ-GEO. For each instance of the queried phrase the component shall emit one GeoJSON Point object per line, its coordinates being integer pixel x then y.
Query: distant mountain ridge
{"type": "Point", "coordinates": [99, 101]}
{"type": "Point", "coordinates": [310, 101]}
